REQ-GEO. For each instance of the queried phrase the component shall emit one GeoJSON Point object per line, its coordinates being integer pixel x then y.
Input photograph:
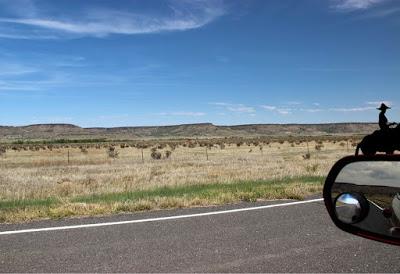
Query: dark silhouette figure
{"type": "Point", "coordinates": [386, 139]}
{"type": "Point", "coordinates": [383, 121]}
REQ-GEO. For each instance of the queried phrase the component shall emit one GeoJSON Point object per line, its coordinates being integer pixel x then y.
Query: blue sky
{"type": "Point", "coordinates": [127, 63]}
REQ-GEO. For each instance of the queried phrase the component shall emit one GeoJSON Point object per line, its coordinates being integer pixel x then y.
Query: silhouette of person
{"type": "Point", "coordinates": [383, 121]}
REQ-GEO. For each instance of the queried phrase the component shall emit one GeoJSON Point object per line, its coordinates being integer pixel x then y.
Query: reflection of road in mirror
{"type": "Point", "coordinates": [376, 221]}
{"type": "Point", "coordinates": [379, 183]}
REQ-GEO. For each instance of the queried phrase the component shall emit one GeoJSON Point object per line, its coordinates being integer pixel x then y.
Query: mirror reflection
{"type": "Point", "coordinates": [378, 184]}
{"type": "Point", "coordinates": [349, 208]}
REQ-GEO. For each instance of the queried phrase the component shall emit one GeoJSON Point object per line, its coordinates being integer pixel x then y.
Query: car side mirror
{"type": "Point", "coordinates": [362, 196]}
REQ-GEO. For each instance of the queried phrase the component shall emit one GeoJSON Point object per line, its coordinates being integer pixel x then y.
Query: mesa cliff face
{"type": "Point", "coordinates": [68, 131]}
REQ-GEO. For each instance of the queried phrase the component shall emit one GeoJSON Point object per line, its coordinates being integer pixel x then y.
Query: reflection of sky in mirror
{"type": "Point", "coordinates": [371, 173]}
{"type": "Point", "coordinates": [348, 199]}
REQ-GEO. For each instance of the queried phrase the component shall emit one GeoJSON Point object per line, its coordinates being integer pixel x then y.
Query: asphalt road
{"type": "Point", "coordinates": [296, 238]}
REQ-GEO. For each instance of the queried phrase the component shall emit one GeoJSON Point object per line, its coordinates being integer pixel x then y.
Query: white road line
{"type": "Point", "coordinates": [375, 204]}
{"type": "Point", "coordinates": [155, 219]}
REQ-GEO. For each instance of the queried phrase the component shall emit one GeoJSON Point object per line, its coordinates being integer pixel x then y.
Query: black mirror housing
{"type": "Point", "coordinates": [362, 196]}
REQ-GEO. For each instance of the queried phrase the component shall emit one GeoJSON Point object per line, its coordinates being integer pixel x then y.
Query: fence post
{"type": "Point", "coordinates": [207, 152]}
{"type": "Point", "coordinates": [68, 156]}
{"type": "Point", "coordinates": [142, 156]}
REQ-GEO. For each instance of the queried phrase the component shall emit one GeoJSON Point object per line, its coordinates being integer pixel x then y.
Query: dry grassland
{"type": "Point", "coordinates": [41, 184]}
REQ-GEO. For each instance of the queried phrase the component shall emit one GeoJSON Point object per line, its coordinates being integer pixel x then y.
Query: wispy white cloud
{"type": "Point", "coordinates": [293, 103]}
{"type": "Point", "coordinates": [41, 72]}
{"type": "Point", "coordinates": [277, 109]}
{"type": "Point", "coordinates": [296, 109]}
{"type": "Point", "coordinates": [328, 69]}
{"type": "Point", "coordinates": [33, 85]}
{"type": "Point", "coordinates": [17, 85]}
{"type": "Point", "coordinates": [15, 69]}
{"type": "Point", "coordinates": [27, 36]}
{"type": "Point", "coordinates": [378, 103]}
{"type": "Point", "coordinates": [311, 110]}
{"type": "Point", "coordinates": [284, 110]}
{"type": "Point", "coordinates": [219, 104]}
{"type": "Point", "coordinates": [237, 108]}
{"type": "Point", "coordinates": [350, 5]}
{"type": "Point", "coordinates": [383, 12]}
{"type": "Point", "coordinates": [352, 109]}
{"type": "Point", "coordinates": [269, 107]}
{"type": "Point", "coordinates": [241, 109]}
{"type": "Point", "coordinates": [183, 15]}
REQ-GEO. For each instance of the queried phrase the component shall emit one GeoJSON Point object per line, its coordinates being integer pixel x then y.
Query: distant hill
{"type": "Point", "coordinates": [68, 131]}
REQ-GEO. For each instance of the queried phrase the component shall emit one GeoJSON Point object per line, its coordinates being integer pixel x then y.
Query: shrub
{"type": "Point", "coordinates": [172, 146]}
{"type": "Point", "coordinates": [155, 155]}
{"type": "Point", "coordinates": [319, 146]}
{"type": "Point", "coordinates": [112, 153]}
{"type": "Point", "coordinates": [312, 168]}
{"type": "Point", "coordinates": [168, 154]}
{"type": "Point", "coordinates": [192, 145]}
{"type": "Point", "coordinates": [307, 156]}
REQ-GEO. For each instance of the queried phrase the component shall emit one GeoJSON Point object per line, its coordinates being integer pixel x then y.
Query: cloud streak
{"type": "Point", "coordinates": [236, 108]}
{"type": "Point", "coordinates": [284, 110]}
{"type": "Point", "coordinates": [351, 5]}
{"type": "Point", "coordinates": [352, 109]}
{"type": "Point", "coordinates": [279, 110]}
{"type": "Point", "coordinates": [181, 16]}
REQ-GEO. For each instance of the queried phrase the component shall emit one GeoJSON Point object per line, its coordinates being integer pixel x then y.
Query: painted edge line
{"type": "Point", "coordinates": [155, 219]}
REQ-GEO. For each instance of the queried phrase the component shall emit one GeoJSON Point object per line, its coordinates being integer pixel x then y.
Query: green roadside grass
{"type": "Point", "coordinates": [159, 198]}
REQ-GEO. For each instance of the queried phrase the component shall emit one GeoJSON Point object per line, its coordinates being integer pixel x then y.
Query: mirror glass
{"type": "Point", "coordinates": [367, 195]}
{"type": "Point", "coordinates": [349, 208]}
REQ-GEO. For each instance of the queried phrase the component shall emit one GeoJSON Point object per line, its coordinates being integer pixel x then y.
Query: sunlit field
{"type": "Point", "coordinates": [65, 180]}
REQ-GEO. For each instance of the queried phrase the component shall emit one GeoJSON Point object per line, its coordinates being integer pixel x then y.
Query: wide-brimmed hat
{"type": "Point", "coordinates": [383, 107]}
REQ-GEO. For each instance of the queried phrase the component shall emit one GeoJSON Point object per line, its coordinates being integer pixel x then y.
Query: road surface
{"type": "Point", "coordinates": [289, 238]}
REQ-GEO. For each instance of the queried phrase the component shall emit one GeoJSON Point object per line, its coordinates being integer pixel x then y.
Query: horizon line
{"type": "Point", "coordinates": [183, 124]}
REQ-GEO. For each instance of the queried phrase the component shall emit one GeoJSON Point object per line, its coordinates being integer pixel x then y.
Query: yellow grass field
{"type": "Point", "coordinates": [27, 175]}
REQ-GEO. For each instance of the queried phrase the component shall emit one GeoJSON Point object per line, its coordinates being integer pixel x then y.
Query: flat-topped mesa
{"type": "Point", "coordinates": [40, 131]}
{"type": "Point", "coordinates": [52, 126]}
{"type": "Point", "coordinates": [69, 131]}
